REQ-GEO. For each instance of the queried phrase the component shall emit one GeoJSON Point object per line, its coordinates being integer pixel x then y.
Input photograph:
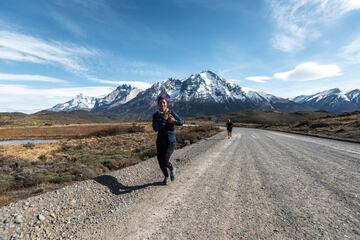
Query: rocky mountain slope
{"type": "Point", "coordinates": [332, 100]}
{"type": "Point", "coordinates": [80, 102]}
{"type": "Point", "coordinates": [202, 94]}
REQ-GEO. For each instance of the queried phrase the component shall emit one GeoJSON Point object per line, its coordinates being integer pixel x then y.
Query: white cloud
{"type": "Point", "coordinates": [287, 44]}
{"type": "Point", "coordinates": [259, 79]}
{"type": "Point", "coordinates": [309, 71]}
{"type": "Point", "coordinates": [298, 21]}
{"type": "Point", "coordinates": [138, 84]}
{"type": "Point", "coordinates": [53, 92]}
{"type": "Point", "coordinates": [20, 47]}
{"type": "Point", "coordinates": [352, 5]}
{"type": "Point", "coordinates": [28, 77]}
{"type": "Point", "coordinates": [24, 99]}
{"type": "Point", "coordinates": [351, 51]}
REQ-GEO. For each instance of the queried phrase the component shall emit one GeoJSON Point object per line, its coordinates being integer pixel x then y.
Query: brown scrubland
{"type": "Point", "coordinates": [84, 151]}
{"type": "Point", "coordinates": [90, 145]}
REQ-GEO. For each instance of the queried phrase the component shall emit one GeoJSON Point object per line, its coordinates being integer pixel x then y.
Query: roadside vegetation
{"type": "Point", "coordinates": [46, 118]}
{"type": "Point", "coordinates": [342, 126]}
{"type": "Point", "coordinates": [89, 151]}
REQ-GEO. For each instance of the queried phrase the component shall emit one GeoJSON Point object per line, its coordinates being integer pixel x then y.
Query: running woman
{"type": "Point", "coordinates": [164, 121]}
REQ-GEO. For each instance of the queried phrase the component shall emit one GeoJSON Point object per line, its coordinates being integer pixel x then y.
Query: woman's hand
{"type": "Point", "coordinates": [171, 119]}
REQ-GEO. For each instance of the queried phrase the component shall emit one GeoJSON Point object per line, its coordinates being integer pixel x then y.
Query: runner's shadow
{"type": "Point", "coordinates": [118, 188]}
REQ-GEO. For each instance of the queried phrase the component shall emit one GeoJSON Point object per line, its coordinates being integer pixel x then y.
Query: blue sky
{"type": "Point", "coordinates": [51, 51]}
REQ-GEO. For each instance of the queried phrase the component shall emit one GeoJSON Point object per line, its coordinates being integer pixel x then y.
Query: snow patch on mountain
{"type": "Point", "coordinates": [80, 102]}
{"type": "Point", "coordinates": [121, 95]}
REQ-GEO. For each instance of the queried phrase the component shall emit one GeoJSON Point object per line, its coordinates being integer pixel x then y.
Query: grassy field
{"type": "Point", "coordinates": [346, 125]}
{"type": "Point", "coordinates": [52, 118]}
{"type": "Point", "coordinates": [88, 150]}
{"type": "Point", "coordinates": [62, 131]}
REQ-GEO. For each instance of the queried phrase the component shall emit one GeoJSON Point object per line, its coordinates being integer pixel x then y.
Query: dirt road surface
{"type": "Point", "coordinates": [257, 185]}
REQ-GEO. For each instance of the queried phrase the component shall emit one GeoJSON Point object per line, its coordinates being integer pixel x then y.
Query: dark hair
{"type": "Point", "coordinates": [161, 97]}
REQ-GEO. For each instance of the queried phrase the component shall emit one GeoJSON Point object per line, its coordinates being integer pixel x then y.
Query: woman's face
{"type": "Point", "coordinates": [162, 105]}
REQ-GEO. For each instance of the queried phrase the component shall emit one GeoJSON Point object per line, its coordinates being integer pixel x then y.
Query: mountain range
{"type": "Point", "coordinates": [333, 100]}
{"type": "Point", "coordinates": [206, 93]}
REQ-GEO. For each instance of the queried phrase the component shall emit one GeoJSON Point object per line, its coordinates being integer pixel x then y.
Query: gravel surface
{"type": "Point", "coordinates": [257, 185]}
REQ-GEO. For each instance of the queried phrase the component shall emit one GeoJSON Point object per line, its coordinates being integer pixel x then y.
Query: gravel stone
{"type": "Point", "coordinates": [40, 217]}
{"type": "Point", "coordinates": [257, 185]}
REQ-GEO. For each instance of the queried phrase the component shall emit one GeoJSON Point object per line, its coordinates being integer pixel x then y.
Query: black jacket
{"type": "Point", "coordinates": [166, 133]}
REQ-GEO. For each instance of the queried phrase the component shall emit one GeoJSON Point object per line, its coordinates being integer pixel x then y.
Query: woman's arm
{"type": "Point", "coordinates": [178, 120]}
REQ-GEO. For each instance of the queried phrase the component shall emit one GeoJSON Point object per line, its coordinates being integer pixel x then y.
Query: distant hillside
{"type": "Point", "coordinates": [332, 100]}
{"type": "Point", "coordinates": [272, 118]}
{"type": "Point", "coordinates": [50, 118]}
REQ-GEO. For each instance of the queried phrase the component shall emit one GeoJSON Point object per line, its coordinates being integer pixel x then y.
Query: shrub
{"type": "Point", "coordinates": [147, 153]}
{"type": "Point", "coordinates": [116, 131]}
{"type": "Point", "coordinates": [301, 124]}
{"type": "Point", "coordinates": [29, 145]}
{"type": "Point", "coordinates": [319, 125]}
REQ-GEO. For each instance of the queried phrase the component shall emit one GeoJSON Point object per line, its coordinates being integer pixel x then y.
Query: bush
{"type": "Point", "coordinates": [194, 134]}
{"type": "Point", "coordinates": [355, 124]}
{"type": "Point", "coordinates": [29, 145]}
{"type": "Point", "coordinates": [319, 125]}
{"type": "Point", "coordinates": [147, 153]}
{"type": "Point", "coordinates": [111, 165]}
{"type": "Point", "coordinates": [116, 131]}
{"type": "Point", "coordinates": [301, 124]}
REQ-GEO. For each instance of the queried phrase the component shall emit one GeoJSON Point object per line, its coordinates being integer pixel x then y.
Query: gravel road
{"type": "Point", "coordinates": [257, 185]}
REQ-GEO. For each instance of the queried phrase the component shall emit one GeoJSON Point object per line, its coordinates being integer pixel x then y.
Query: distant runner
{"type": "Point", "coordinates": [164, 121]}
{"type": "Point", "coordinates": [229, 127]}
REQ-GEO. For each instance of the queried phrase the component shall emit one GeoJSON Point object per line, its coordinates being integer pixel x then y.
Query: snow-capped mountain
{"type": "Point", "coordinates": [332, 100]}
{"type": "Point", "coordinates": [201, 94]}
{"type": "Point", "coordinates": [354, 96]}
{"type": "Point", "coordinates": [121, 95]}
{"type": "Point", "coordinates": [206, 93]}
{"type": "Point", "coordinates": [80, 102]}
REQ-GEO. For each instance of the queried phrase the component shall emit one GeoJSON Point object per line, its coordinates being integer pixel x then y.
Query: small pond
{"type": "Point", "coordinates": [24, 141]}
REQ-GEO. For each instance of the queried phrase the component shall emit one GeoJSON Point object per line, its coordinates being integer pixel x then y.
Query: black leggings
{"type": "Point", "coordinates": [164, 152]}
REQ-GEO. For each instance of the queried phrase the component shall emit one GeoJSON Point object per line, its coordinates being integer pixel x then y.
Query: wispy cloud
{"type": "Point", "coordinates": [15, 46]}
{"type": "Point", "coordinates": [68, 24]}
{"type": "Point", "coordinates": [309, 71]}
{"type": "Point", "coordinates": [259, 79]}
{"type": "Point", "coordinates": [298, 21]}
{"type": "Point", "coordinates": [87, 4]}
{"type": "Point", "coordinates": [351, 51]}
{"type": "Point", "coordinates": [29, 77]}
{"type": "Point", "coordinates": [15, 89]}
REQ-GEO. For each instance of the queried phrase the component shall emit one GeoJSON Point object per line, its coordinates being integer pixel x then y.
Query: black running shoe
{"type": "Point", "coordinates": [173, 174]}
{"type": "Point", "coordinates": [166, 181]}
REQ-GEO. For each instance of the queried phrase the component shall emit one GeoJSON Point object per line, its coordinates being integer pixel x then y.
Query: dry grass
{"type": "Point", "coordinates": [342, 126]}
{"type": "Point", "coordinates": [23, 151]}
{"type": "Point", "coordinates": [61, 131]}
{"type": "Point", "coordinates": [26, 169]}
{"type": "Point", "coordinates": [346, 125]}
{"type": "Point", "coordinates": [272, 118]}
{"type": "Point", "coordinates": [52, 118]}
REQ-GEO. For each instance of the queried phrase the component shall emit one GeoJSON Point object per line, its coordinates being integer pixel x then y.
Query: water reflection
{"type": "Point", "coordinates": [24, 141]}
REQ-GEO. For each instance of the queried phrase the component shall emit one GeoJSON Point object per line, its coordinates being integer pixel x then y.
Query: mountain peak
{"type": "Point", "coordinates": [125, 87]}
{"type": "Point", "coordinates": [332, 100]}
{"type": "Point", "coordinates": [79, 102]}
{"type": "Point", "coordinates": [80, 95]}
{"type": "Point", "coordinates": [330, 91]}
